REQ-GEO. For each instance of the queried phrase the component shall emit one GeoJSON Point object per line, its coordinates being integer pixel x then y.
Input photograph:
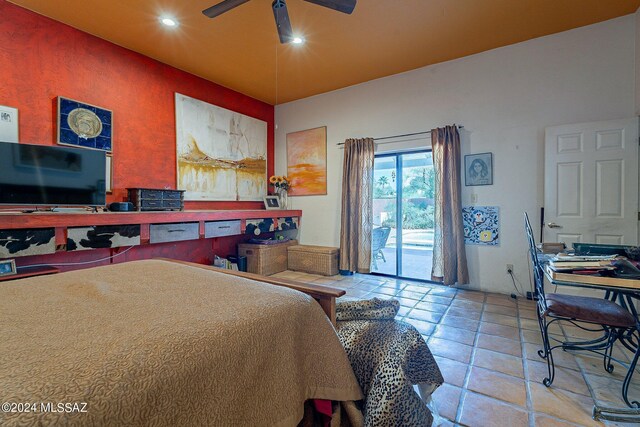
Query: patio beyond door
{"type": "Point", "coordinates": [403, 215]}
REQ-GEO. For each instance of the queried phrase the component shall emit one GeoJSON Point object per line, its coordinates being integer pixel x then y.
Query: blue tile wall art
{"type": "Point", "coordinates": [481, 225]}
{"type": "Point", "coordinates": [84, 125]}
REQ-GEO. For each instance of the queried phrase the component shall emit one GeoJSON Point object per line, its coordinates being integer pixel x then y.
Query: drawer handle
{"type": "Point", "coordinates": [175, 231]}
{"type": "Point", "coordinates": [224, 226]}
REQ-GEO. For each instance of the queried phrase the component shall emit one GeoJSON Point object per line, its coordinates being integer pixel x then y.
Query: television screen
{"type": "Point", "coordinates": [51, 175]}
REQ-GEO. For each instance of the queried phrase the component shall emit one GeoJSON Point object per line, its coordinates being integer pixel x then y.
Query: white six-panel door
{"type": "Point", "coordinates": [591, 183]}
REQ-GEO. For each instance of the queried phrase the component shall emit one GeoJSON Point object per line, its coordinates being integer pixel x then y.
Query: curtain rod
{"type": "Point", "coordinates": [400, 136]}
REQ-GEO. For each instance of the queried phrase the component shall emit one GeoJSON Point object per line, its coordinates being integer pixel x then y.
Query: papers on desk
{"type": "Point", "coordinates": [591, 263]}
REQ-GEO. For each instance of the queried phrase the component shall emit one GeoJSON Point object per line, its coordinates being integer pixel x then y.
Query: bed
{"type": "Point", "coordinates": [157, 342]}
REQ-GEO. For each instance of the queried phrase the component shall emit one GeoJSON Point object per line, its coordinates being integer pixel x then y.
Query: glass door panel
{"type": "Point", "coordinates": [383, 238]}
{"type": "Point", "coordinates": [417, 218]}
{"type": "Point", "coordinates": [403, 195]}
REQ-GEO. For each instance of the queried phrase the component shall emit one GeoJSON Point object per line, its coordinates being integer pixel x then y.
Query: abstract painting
{"type": "Point", "coordinates": [84, 125]}
{"type": "Point", "coordinates": [307, 162]}
{"type": "Point", "coordinates": [221, 154]}
{"type": "Point", "coordinates": [481, 225]}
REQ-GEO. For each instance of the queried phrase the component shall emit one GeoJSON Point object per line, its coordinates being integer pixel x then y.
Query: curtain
{"type": "Point", "coordinates": [357, 205]}
{"type": "Point", "coordinates": [449, 257]}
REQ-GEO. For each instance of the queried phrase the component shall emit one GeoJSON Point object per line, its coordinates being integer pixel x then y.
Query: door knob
{"type": "Point", "coordinates": [553, 225]}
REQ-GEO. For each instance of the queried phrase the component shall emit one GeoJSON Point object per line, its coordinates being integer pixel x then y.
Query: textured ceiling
{"type": "Point", "coordinates": [240, 48]}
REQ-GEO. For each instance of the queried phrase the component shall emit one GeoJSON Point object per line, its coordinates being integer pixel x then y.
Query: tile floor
{"type": "Point", "coordinates": [486, 346]}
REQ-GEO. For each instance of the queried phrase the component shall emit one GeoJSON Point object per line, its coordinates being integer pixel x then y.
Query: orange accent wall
{"type": "Point", "coordinates": [41, 59]}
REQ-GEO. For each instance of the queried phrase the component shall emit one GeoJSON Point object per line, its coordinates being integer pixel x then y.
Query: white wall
{"type": "Point", "coordinates": [504, 98]}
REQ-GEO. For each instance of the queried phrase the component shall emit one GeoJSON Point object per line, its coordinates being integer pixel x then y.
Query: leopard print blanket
{"type": "Point", "coordinates": [388, 356]}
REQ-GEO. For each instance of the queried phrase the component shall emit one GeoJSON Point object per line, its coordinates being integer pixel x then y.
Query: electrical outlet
{"type": "Point", "coordinates": [509, 268]}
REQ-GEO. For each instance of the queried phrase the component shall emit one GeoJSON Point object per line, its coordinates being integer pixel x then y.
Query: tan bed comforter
{"type": "Point", "coordinates": [157, 343]}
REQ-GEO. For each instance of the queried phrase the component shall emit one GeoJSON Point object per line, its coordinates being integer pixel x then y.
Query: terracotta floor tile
{"type": "Point", "coordinates": [391, 292]}
{"type": "Point", "coordinates": [594, 366]}
{"type": "Point", "coordinates": [608, 390]}
{"type": "Point", "coordinates": [566, 379]}
{"type": "Point", "coordinates": [427, 316]}
{"type": "Point", "coordinates": [500, 362]}
{"type": "Point", "coordinates": [464, 312]}
{"type": "Point", "coordinates": [501, 309]}
{"type": "Point", "coordinates": [453, 372]}
{"type": "Point", "coordinates": [542, 420]}
{"type": "Point", "coordinates": [446, 399]}
{"type": "Point", "coordinates": [500, 319]}
{"type": "Point", "coordinates": [455, 334]}
{"type": "Point", "coordinates": [407, 302]}
{"type": "Point", "coordinates": [438, 299]}
{"type": "Point", "coordinates": [418, 288]}
{"type": "Point", "coordinates": [499, 330]}
{"type": "Point", "coordinates": [533, 325]}
{"type": "Point", "coordinates": [403, 311]}
{"type": "Point", "coordinates": [467, 304]}
{"type": "Point", "coordinates": [411, 295]}
{"type": "Point", "coordinates": [460, 322]}
{"type": "Point", "coordinates": [560, 358]}
{"type": "Point", "coordinates": [444, 291]}
{"type": "Point", "coordinates": [425, 328]}
{"type": "Point", "coordinates": [501, 300]}
{"type": "Point", "coordinates": [499, 344]}
{"type": "Point", "coordinates": [471, 296]}
{"type": "Point", "coordinates": [450, 349]}
{"type": "Point", "coordinates": [431, 306]}
{"type": "Point", "coordinates": [482, 411]}
{"type": "Point", "coordinates": [562, 404]}
{"type": "Point", "coordinates": [500, 386]}
{"type": "Point", "coordinates": [527, 314]}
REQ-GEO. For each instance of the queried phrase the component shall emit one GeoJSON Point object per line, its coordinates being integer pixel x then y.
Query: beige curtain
{"type": "Point", "coordinates": [357, 211]}
{"type": "Point", "coordinates": [449, 257]}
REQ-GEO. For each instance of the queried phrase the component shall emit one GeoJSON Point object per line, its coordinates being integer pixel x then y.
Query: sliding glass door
{"type": "Point", "coordinates": [403, 215]}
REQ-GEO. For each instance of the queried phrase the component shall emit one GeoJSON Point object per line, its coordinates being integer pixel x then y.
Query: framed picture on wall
{"type": "Point", "coordinates": [478, 169]}
{"type": "Point", "coordinates": [8, 124]}
{"type": "Point", "coordinates": [307, 162]}
{"type": "Point", "coordinates": [84, 125]}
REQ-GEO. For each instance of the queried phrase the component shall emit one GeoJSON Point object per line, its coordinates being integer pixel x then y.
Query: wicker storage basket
{"type": "Point", "coordinates": [265, 259]}
{"type": "Point", "coordinates": [314, 259]}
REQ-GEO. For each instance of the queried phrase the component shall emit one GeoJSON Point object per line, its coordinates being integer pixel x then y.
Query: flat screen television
{"type": "Point", "coordinates": [51, 175]}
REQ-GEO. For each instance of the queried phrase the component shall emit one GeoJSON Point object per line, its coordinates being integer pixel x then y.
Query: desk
{"type": "Point", "coordinates": [624, 291]}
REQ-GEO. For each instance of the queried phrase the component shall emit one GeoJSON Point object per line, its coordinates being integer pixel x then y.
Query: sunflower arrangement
{"type": "Point", "coordinates": [280, 182]}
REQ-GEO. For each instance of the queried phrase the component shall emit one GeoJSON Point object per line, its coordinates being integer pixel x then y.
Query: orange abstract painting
{"type": "Point", "coordinates": [307, 162]}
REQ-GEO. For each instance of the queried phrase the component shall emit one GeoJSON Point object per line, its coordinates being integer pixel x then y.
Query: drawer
{"type": "Point", "coordinates": [221, 228]}
{"type": "Point", "coordinates": [102, 236]}
{"type": "Point", "coordinates": [145, 204]}
{"type": "Point", "coordinates": [151, 194]}
{"type": "Point", "coordinates": [159, 233]}
{"type": "Point", "coordinates": [171, 195]}
{"type": "Point", "coordinates": [171, 204]}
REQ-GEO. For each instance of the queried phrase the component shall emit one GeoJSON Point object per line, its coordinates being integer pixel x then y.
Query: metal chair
{"type": "Point", "coordinates": [587, 313]}
{"type": "Point", "coordinates": [379, 237]}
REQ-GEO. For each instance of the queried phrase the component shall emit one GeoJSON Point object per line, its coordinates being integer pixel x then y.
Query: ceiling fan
{"type": "Point", "coordinates": [280, 12]}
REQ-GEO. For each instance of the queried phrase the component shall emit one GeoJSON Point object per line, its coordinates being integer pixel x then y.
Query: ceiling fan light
{"type": "Point", "coordinates": [297, 40]}
{"type": "Point", "coordinates": [169, 22]}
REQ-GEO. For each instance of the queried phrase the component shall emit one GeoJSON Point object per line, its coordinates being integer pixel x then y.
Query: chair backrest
{"type": "Point", "coordinates": [538, 273]}
{"type": "Point", "coordinates": [377, 236]}
{"type": "Point", "coordinates": [385, 236]}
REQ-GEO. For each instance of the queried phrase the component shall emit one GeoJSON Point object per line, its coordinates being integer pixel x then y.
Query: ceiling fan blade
{"type": "Point", "coordinates": [282, 21]}
{"type": "Point", "coordinates": [222, 7]}
{"type": "Point", "coordinates": [344, 6]}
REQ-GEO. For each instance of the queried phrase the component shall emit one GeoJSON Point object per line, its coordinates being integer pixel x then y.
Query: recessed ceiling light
{"type": "Point", "coordinates": [169, 22]}
{"type": "Point", "coordinates": [297, 40]}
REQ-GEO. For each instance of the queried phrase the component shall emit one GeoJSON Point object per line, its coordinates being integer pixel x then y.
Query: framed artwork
{"type": "Point", "coordinates": [109, 174]}
{"type": "Point", "coordinates": [84, 125]}
{"type": "Point", "coordinates": [307, 162]}
{"type": "Point", "coordinates": [8, 124]}
{"type": "Point", "coordinates": [221, 154]}
{"type": "Point", "coordinates": [478, 169]}
{"type": "Point", "coordinates": [7, 267]}
{"type": "Point", "coordinates": [271, 203]}
{"type": "Point", "coordinates": [481, 225]}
